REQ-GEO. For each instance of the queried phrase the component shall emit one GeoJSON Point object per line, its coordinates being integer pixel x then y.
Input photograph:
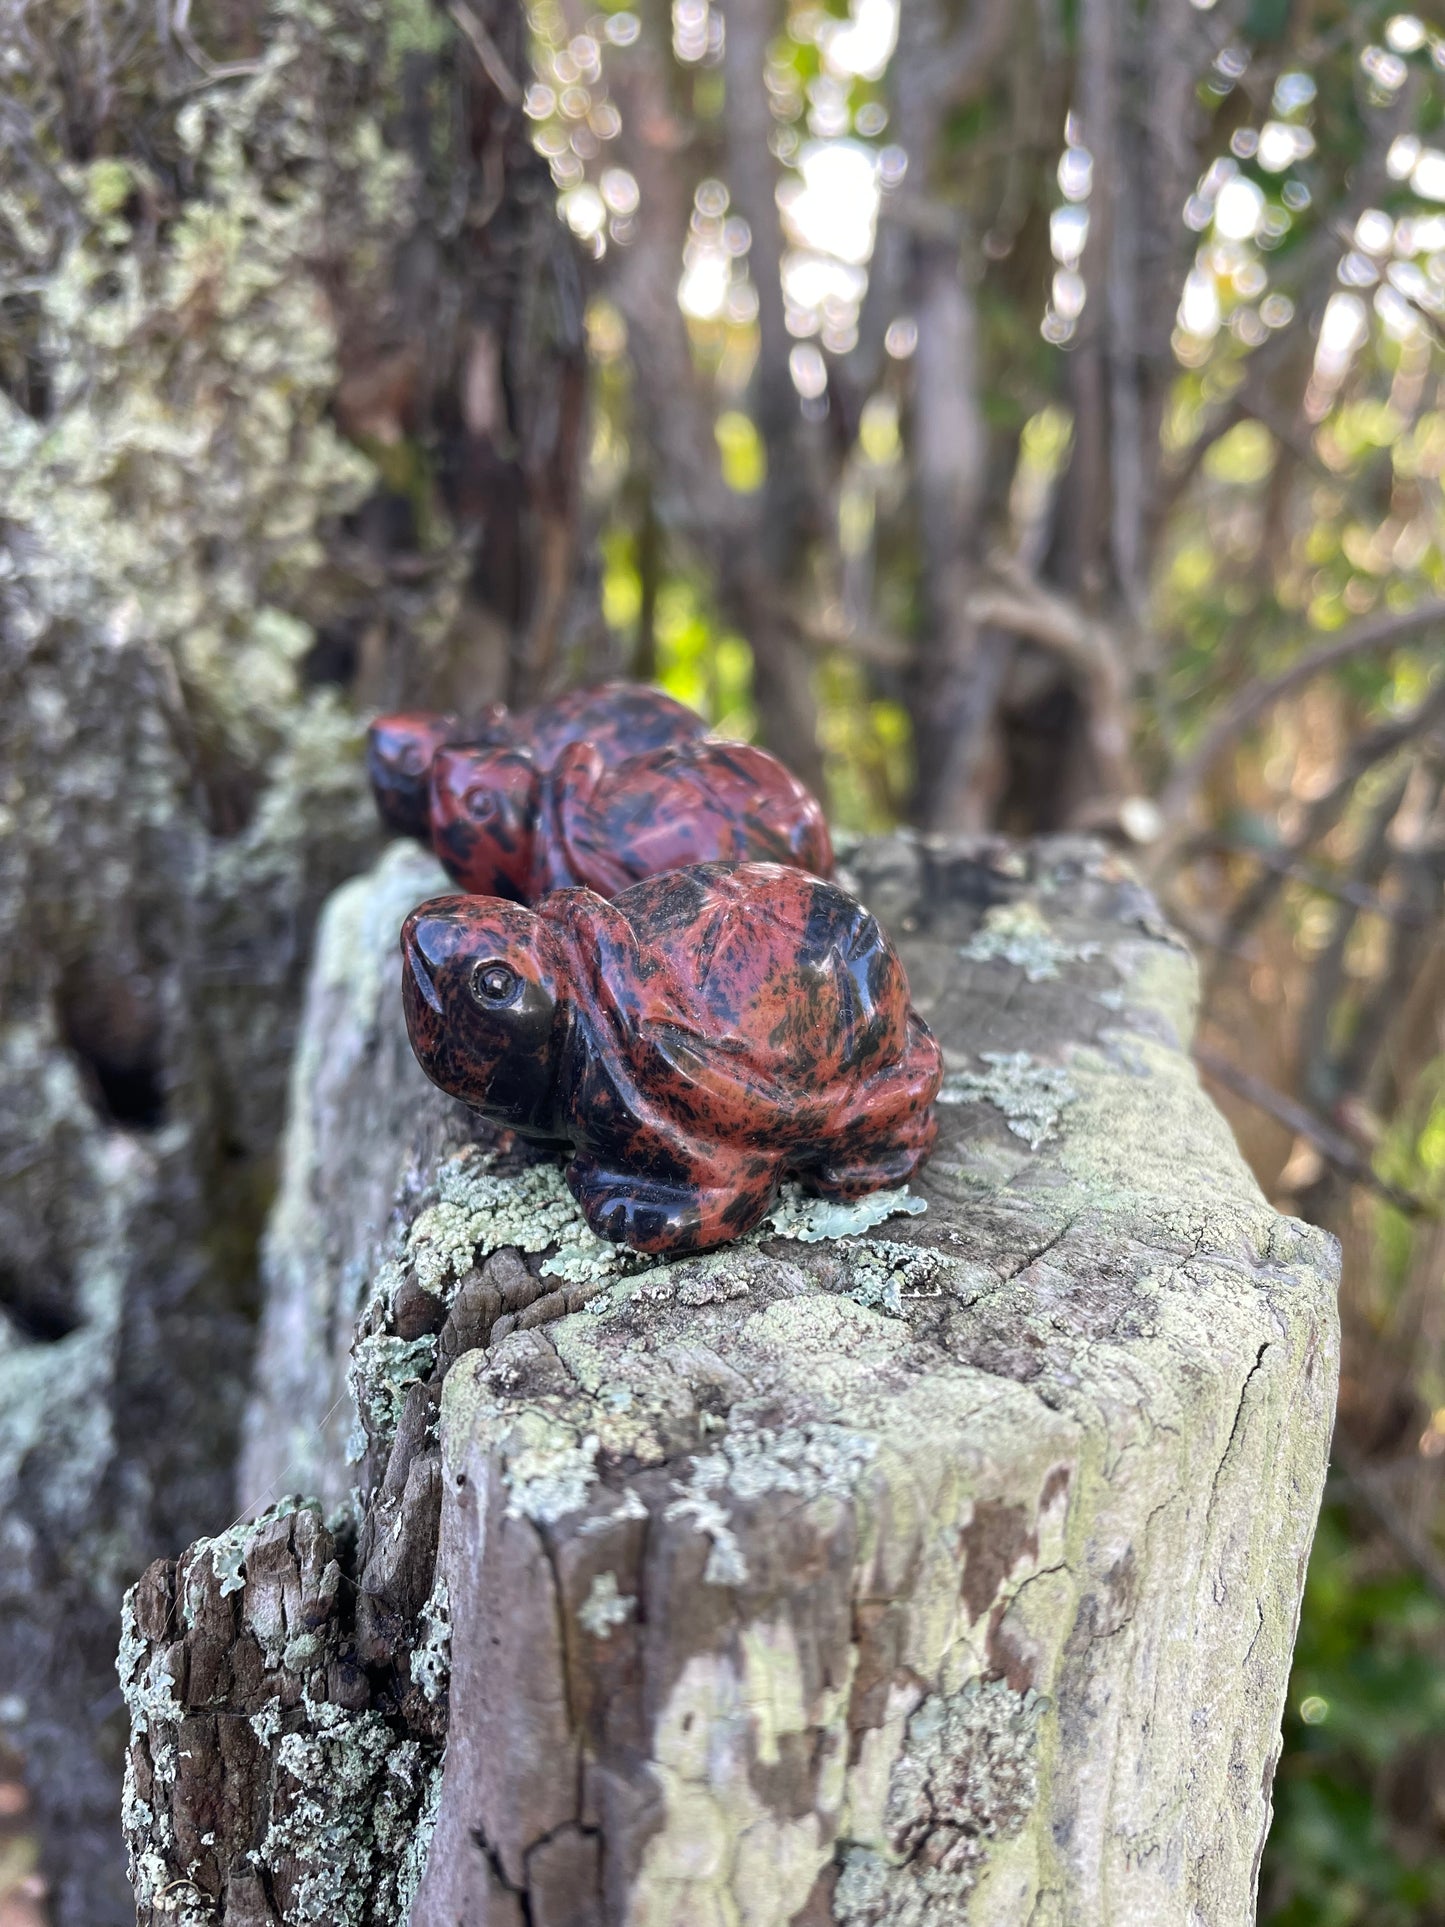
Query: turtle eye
{"type": "Point", "coordinates": [494, 983]}
{"type": "Point", "coordinates": [480, 804]}
{"type": "Point", "coordinates": [411, 759]}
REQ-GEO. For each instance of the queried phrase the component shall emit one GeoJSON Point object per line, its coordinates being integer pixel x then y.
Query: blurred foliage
{"type": "Point", "coordinates": [1356, 1839]}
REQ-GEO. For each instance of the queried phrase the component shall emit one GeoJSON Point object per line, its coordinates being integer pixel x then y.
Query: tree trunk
{"type": "Point", "coordinates": [220, 246]}
{"type": "Point", "coordinates": [939, 1567]}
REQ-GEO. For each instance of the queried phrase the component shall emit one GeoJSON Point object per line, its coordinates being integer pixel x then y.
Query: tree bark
{"type": "Point", "coordinates": [230, 233]}
{"type": "Point", "coordinates": [933, 1568]}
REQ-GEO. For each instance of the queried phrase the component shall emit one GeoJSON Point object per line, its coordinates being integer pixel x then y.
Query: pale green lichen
{"type": "Point", "coordinates": [299, 1652]}
{"type": "Point", "coordinates": [967, 1775]}
{"type": "Point", "coordinates": [479, 1210]}
{"type": "Point", "coordinates": [807, 1459]}
{"type": "Point", "coordinates": [711, 1280]}
{"type": "Point", "coordinates": [1031, 1095]}
{"type": "Point", "coordinates": [415, 1842]}
{"type": "Point", "coordinates": [605, 1607]}
{"type": "Point", "coordinates": [630, 1506]}
{"type": "Point", "coordinates": [725, 1563]}
{"type": "Point", "coordinates": [882, 1273]}
{"type": "Point", "coordinates": [355, 1820]}
{"type": "Point", "coordinates": [871, 1893]}
{"type": "Point", "coordinates": [267, 1723]}
{"type": "Point", "coordinates": [150, 1691]}
{"type": "Point", "coordinates": [1020, 934]}
{"type": "Point", "coordinates": [207, 365]}
{"type": "Point", "coordinates": [545, 1482]}
{"type": "Point", "coordinates": [812, 1461]}
{"type": "Point", "coordinates": [355, 1800]}
{"type": "Point", "coordinates": [180, 251]}
{"type": "Point", "coordinates": [155, 1713]}
{"type": "Point", "coordinates": [226, 1552]}
{"type": "Point", "coordinates": [383, 1370]}
{"type": "Point", "coordinates": [811, 1219]}
{"type": "Point", "coordinates": [431, 1659]}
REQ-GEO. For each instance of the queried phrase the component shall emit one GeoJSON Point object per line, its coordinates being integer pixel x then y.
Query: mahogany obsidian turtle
{"type": "Point", "coordinates": [620, 719]}
{"type": "Point", "coordinates": [694, 1042]}
{"type": "Point", "coordinates": [505, 827]}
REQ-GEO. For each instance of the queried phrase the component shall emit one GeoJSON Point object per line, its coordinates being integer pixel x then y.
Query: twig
{"type": "Point", "coordinates": [1360, 639]}
{"type": "Point", "coordinates": [1411, 945]}
{"type": "Point", "coordinates": [487, 52]}
{"type": "Point", "coordinates": [870, 646]}
{"type": "Point", "coordinates": [1018, 604]}
{"type": "Point", "coordinates": [1327, 978]}
{"type": "Point", "coordinates": [1331, 1144]}
{"type": "Point", "coordinates": [1285, 864]}
{"type": "Point", "coordinates": [213, 70]}
{"type": "Point", "coordinates": [1376, 746]}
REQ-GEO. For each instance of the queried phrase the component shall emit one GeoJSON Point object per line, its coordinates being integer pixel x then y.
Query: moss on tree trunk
{"type": "Point", "coordinates": [252, 269]}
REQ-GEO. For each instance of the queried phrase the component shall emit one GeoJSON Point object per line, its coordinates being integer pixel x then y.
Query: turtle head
{"type": "Point", "coordinates": [399, 752]}
{"type": "Point", "coordinates": [484, 818]}
{"type": "Point", "coordinates": [482, 986]}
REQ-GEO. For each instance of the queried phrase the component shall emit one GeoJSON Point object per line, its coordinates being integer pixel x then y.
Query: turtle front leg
{"type": "Point", "coordinates": [704, 1199]}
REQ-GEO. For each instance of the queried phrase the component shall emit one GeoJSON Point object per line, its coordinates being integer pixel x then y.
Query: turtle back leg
{"type": "Point", "coordinates": [878, 1137]}
{"type": "Point", "coordinates": [700, 1199]}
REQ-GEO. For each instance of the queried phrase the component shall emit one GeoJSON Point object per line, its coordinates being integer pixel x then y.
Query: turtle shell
{"type": "Point", "coordinates": [621, 719]}
{"type": "Point", "coordinates": [694, 1042]}
{"type": "Point", "coordinates": [756, 982]}
{"type": "Point", "coordinates": [504, 828]}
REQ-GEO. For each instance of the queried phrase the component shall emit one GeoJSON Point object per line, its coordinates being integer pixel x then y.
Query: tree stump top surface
{"type": "Point", "coordinates": [1074, 1414]}
{"type": "Point", "coordinates": [934, 1566]}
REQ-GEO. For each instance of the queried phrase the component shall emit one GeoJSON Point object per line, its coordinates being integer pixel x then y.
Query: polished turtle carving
{"type": "Point", "coordinates": [504, 826]}
{"type": "Point", "coordinates": [620, 719]}
{"type": "Point", "coordinates": [692, 1043]}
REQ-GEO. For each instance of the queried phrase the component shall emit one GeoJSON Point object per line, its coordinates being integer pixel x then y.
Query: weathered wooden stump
{"type": "Point", "coordinates": [941, 1568]}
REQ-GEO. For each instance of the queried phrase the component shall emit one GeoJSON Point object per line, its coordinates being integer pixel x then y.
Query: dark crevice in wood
{"type": "Point", "coordinates": [36, 1307]}
{"type": "Point", "coordinates": [108, 1020]}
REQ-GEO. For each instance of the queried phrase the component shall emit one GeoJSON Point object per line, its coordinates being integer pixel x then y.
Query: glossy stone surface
{"type": "Point", "coordinates": [504, 826]}
{"type": "Point", "coordinates": [620, 719]}
{"type": "Point", "coordinates": [693, 1043]}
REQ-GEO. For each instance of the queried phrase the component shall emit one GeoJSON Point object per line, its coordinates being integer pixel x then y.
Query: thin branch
{"type": "Point", "coordinates": [1369, 637]}
{"type": "Point", "coordinates": [1411, 942]}
{"type": "Point", "coordinates": [1362, 755]}
{"type": "Point", "coordinates": [1284, 864]}
{"type": "Point", "coordinates": [1327, 978]}
{"type": "Point", "coordinates": [871, 646]}
{"type": "Point", "coordinates": [965, 69]}
{"type": "Point", "coordinates": [487, 52]}
{"type": "Point", "coordinates": [1015, 603]}
{"type": "Point", "coordinates": [1330, 1143]}
{"type": "Point", "coordinates": [180, 26]}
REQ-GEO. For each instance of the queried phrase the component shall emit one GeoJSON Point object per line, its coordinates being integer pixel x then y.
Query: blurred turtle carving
{"type": "Point", "coordinates": [692, 1043]}
{"type": "Point", "coordinates": [620, 719]}
{"type": "Point", "coordinates": [505, 826]}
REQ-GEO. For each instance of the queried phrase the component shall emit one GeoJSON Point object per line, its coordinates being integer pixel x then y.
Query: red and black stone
{"type": "Point", "coordinates": [690, 1044]}
{"type": "Point", "coordinates": [620, 719]}
{"type": "Point", "coordinates": [505, 827]}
